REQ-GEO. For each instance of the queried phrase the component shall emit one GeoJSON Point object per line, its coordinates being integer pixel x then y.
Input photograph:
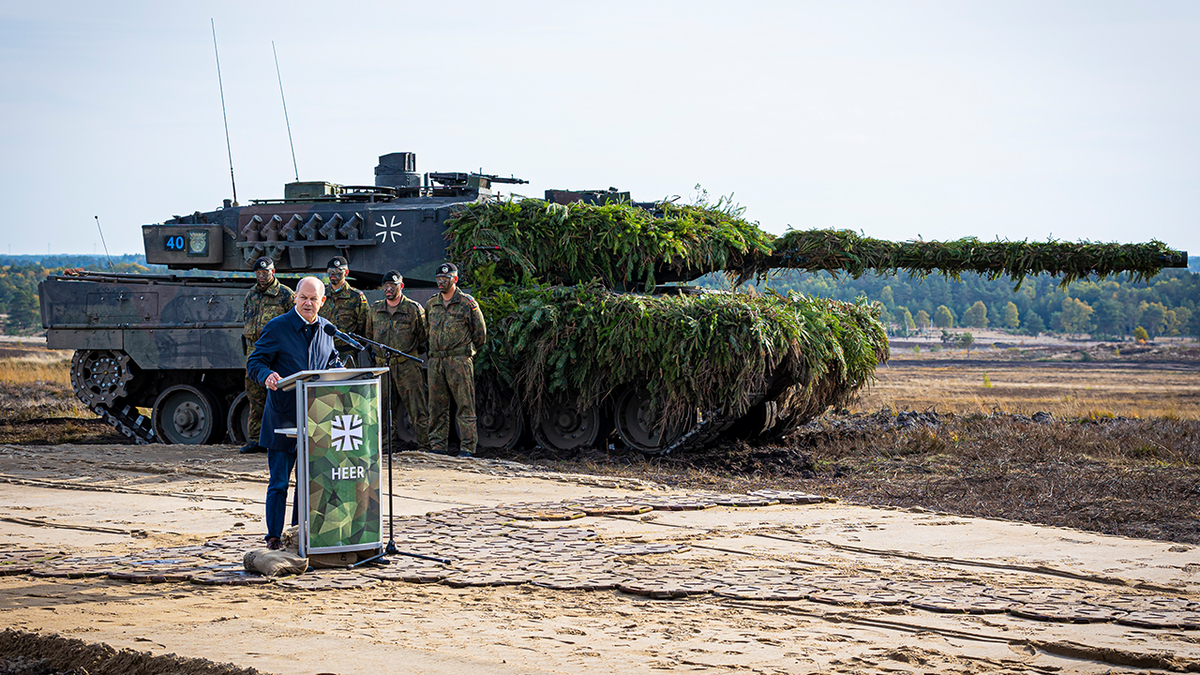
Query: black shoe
{"type": "Point", "coordinates": [463, 454]}
{"type": "Point", "coordinates": [273, 544]}
{"type": "Point", "coordinates": [251, 448]}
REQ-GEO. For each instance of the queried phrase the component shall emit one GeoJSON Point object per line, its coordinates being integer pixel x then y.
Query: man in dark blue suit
{"type": "Point", "coordinates": [289, 343]}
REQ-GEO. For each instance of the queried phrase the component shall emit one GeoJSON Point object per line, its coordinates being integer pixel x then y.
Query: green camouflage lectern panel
{"type": "Point", "coordinates": [343, 467]}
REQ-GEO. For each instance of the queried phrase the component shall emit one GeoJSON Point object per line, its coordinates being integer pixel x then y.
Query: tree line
{"type": "Point", "coordinates": [1114, 308]}
{"type": "Point", "coordinates": [20, 275]}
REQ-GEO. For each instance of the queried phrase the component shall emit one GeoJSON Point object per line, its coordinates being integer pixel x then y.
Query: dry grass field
{"type": "Point", "coordinates": [35, 383]}
{"type": "Point", "coordinates": [1065, 389]}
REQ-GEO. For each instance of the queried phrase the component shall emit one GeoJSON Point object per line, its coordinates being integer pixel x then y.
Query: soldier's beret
{"type": "Point", "coordinates": [447, 270]}
{"type": "Point", "coordinates": [337, 263]}
{"type": "Point", "coordinates": [392, 277]}
{"type": "Point", "coordinates": [264, 263]}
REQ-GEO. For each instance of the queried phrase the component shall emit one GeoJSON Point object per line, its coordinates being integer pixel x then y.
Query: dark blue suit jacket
{"type": "Point", "coordinates": [282, 348]}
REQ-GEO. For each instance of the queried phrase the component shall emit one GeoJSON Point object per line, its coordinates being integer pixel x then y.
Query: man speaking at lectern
{"type": "Point", "coordinates": [289, 343]}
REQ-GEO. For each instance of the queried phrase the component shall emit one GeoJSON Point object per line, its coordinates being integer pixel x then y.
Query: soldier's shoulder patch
{"type": "Point", "coordinates": [470, 301]}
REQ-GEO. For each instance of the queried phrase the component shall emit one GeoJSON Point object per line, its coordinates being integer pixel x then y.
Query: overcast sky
{"type": "Point", "coordinates": [1008, 119]}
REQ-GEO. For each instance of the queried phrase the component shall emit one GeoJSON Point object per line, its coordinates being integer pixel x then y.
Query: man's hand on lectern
{"type": "Point", "coordinates": [272, 380]}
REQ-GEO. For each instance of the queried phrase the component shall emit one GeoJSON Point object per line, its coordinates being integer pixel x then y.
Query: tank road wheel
{"type": "Point", "coordinates": [99, 377]}
{"type": "Point", "coordinates": [499, 423]}
{"type": "Point", "coordinates": [638, 423]}
{"type": "Point", "coordinates": [757, 419]}
{"type": "Point", "coordinates": [238, 420]}
{"type": "Point", "coordinates": [187, 415]}
{"type": "Point", "coordinates": [563, 425]}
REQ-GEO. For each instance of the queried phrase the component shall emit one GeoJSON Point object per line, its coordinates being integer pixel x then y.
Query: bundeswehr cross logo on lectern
{"type": "Point", "coordinates": [346, 432]}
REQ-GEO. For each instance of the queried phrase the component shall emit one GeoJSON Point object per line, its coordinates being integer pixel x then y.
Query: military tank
{"type": "Point", "coordinates": [159, 356]}
{"type": "Point", "coordinates": [593, 326]}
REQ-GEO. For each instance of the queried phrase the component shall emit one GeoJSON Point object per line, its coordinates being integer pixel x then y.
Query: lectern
{"type": "Point", "coordinates": [339, 438]}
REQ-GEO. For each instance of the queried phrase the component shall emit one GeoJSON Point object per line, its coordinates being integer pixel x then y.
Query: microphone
{"type": "Point", "coordinates": [334, 332]}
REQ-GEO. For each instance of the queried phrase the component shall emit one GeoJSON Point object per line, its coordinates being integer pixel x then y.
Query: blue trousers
{"type": "Point", "coordinates": [281, 465]}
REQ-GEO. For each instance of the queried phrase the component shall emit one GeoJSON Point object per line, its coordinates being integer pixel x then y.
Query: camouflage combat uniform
{"type": "Point", "coordinates": [259, 308]}
{"type": "Point", "coordinates": [347, 309]}
{"type": "Point", "coordinates": [404, 330]}
{"type": "Point", "coordinates": [456, 331]}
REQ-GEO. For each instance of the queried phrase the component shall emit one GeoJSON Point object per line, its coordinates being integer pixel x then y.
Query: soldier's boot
{"type": "Point", "coordinates": [468, 435]}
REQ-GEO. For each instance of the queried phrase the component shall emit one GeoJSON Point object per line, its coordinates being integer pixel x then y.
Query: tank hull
{"type": "Point", "coordinates": [139, 337]}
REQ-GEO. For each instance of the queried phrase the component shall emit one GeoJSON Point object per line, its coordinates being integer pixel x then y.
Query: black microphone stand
{"type": "Point", "coordinates": [390, 353]}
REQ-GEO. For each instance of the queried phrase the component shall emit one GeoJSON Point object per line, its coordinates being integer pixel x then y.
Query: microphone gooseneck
{"type": "Point", "coordinates": [331, 331]}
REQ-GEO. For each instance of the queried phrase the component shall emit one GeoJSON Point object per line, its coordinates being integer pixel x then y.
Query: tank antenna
{"type": "Point", "coordinates": [223, 115]}
{"type": "Point", "coordinates": [285, 115]}
{"type": "Point", "coordinates": [110, 265]}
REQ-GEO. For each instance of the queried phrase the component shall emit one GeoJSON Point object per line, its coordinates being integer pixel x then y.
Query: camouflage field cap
{"type": "Point", "coordinates": [337, 263]}
{"type": "Point", "coordinates": [264, 263]}
{"type": "Point", "coordinates": [392, 277]}
{"type": "Point", "coordinates": [447, 270]}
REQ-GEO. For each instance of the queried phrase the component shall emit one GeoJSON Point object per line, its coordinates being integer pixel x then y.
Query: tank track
{"type": "Point", "coordinates": [128, 421]}
{"type": "Point", "coordinates": [707, 429]}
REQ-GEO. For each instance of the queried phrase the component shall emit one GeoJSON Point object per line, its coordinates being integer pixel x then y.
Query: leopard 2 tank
{"type": "Point", "coordinates": [595, 335]}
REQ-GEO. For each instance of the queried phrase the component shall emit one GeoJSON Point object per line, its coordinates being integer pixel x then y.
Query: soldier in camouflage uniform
{"type": "Point", "coordinates": [456, 331]}
{"type": "Point", "coordinates": [399, 323]}
{"type": "Point", "coordinates": [267, 300]}
{"type": "Point", "coordinates": [345, 307]}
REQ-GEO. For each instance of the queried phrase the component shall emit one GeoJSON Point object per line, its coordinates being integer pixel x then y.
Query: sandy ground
{"type": "Point", "coordinates": [120, 500]}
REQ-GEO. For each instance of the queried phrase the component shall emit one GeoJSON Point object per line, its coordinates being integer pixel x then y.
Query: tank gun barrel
{"type": "Point", "coordinates": [580, 241]}
{"type": "Point", "coordinates": [844, 250]}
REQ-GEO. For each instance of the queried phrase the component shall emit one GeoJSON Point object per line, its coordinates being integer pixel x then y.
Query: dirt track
{"type": "Point", "coordinates": [143, 503]}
